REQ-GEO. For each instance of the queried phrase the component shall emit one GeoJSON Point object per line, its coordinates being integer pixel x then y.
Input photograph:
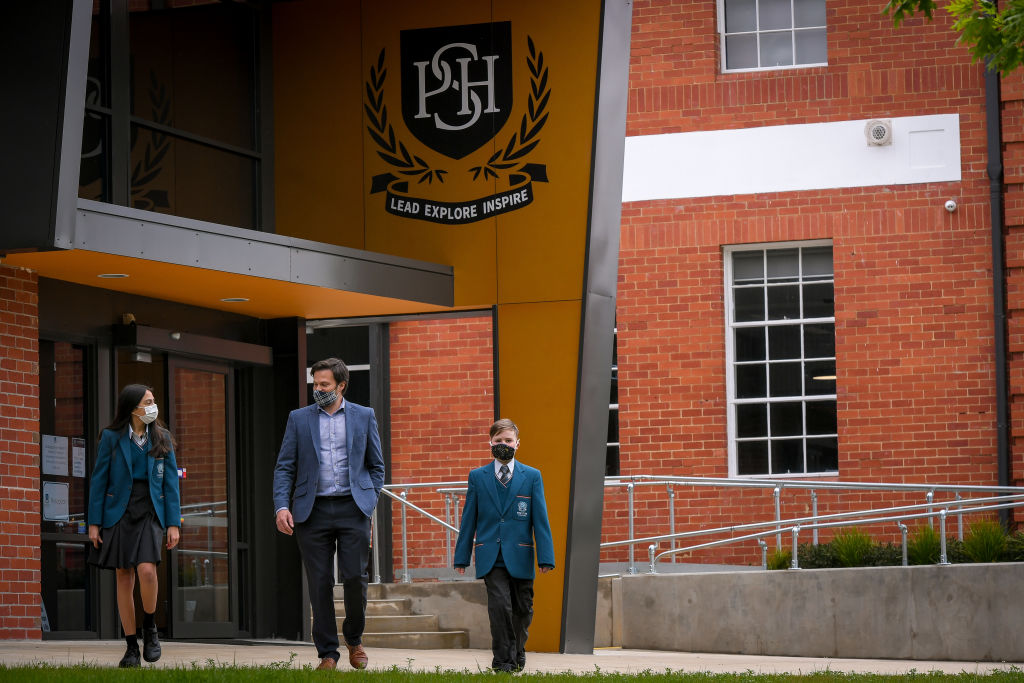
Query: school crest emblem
{"type": "Point", "coordinates": [458, 94]}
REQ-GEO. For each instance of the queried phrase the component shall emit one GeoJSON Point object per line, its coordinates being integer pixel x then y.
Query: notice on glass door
{"type": "Point", "coordinates": [55, 501]}
{"type": "Point", "coordinates": [55, 455]}
{"type": "Point", "coordinates": [77, 457]}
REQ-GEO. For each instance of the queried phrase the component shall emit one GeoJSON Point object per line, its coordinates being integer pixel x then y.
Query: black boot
{"type": "Point", "coordinates": [150, 645]}
{"type": "Point", "coordinates": [131, 655]}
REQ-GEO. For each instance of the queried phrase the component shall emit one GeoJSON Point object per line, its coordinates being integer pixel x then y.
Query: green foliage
{"type": "Point", "coordinates": [780, 559]}
{"type": "Point", "coordinates": [821, 556]}
{"type": "Point", "coordinates": [924, 546]}
{"type": "Point", "coordinates": [851, 547]}
{"type": "Point", "coordinates": [985, 542]}
{"type": "Point", "coordinates": [992, 35]}
{"type": "Point", "coordinates": [887, 555]}
{"type": "Point", "coordinates": [1015, 547]}
{"type": "Point", "coordinates": [955, 551]}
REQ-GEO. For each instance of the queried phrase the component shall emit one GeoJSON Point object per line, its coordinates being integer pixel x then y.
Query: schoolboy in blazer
{"type": "Point", "coordinates": [505, 523]}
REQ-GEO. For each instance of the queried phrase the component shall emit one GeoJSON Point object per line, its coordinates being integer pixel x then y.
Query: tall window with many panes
{"type": "Point", "coordinates": [781, 353]}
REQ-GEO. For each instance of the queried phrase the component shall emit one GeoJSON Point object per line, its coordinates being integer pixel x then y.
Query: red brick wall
{"type": "Point", "coordinates": [913, 293]}
{"type": "Point", "coordinates": [442, 404]}
{"type": "Point", "coordinates": [19, 454]}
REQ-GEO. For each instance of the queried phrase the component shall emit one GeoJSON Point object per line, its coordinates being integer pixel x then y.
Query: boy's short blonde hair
{"type": "Point", "coordinates": [503, 425]}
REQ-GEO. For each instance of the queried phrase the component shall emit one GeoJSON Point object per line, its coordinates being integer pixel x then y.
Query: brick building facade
{"type": "Point", "coordinates": [913, 295]}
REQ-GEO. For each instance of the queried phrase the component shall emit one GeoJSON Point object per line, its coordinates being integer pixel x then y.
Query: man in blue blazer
{"type": "Point", "coordinates": [504, 519]}
{"type": "Point", "coordinates": [328, 476]}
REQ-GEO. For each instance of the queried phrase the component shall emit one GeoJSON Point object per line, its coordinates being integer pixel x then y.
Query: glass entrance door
{"type": "Point", "coordinates": [203, 574]}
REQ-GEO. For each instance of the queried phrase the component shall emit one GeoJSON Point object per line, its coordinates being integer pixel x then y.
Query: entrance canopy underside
{"type": "Point", "coordinates": [243, 271]}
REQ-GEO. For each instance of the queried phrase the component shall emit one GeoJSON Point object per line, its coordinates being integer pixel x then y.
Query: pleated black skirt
{"type": "Point", "coordinates": [136, 538]}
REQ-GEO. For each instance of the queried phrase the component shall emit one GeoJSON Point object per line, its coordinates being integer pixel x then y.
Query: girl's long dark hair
{"type": "Point", "coordinates": [161, 442]}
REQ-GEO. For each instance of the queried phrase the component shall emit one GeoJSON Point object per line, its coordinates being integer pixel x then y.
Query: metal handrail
{"type": "Point", "coordinates": [451, 490]}
{"type": "Point", "coordinates": [630, 482]}
{"type": "Point", "coordinates": [796, 528]}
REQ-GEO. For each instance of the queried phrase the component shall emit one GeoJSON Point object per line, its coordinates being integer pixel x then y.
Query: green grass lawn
{"type": "Point", "coordinates": [283, 671]}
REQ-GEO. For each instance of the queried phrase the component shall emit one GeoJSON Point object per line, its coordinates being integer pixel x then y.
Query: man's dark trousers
{"type": "Point", "coordinates": [510, 611]}
{"type": "Point", "coordinates": [336, 524]}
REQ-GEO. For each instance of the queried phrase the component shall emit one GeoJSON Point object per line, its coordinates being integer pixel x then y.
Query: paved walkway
{"type": "Point", "coordinates": [608, 660]}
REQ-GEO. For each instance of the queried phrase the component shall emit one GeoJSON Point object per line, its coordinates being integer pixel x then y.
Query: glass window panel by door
{"type": "Point", "coordinates": [64, 488]}
{"type": "Point", "coordinates": [175, 176]}
{"type": "Point", "coordinates": [192, 69]}
{"type": "Point", "coordinates": [203, 591]}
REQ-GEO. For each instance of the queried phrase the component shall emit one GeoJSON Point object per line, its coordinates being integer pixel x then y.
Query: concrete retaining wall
{"type": "Point", "coordinates": [969, 612]}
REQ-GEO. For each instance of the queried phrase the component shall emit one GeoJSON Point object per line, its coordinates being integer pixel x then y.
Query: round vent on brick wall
{"type": "Point", "coordinates": [878, 132]}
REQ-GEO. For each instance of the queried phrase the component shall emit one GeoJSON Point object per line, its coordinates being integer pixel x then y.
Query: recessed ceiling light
{"type": "Point", "coordinates": [112, 275]}
{"type": "Point", "coordinates": [235, 300]}
{"type": "Point", "coordinates": [825, 378]}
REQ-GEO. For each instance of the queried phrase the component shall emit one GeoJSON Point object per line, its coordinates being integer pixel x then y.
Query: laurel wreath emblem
{"type": "Point", "coordinates": [525, 139]}
{"type": "Point", "coordinates": [394, 152]}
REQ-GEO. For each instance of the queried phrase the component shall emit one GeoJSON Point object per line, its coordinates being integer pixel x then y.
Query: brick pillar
{"type": "Point", "coordinates": [19, 454]}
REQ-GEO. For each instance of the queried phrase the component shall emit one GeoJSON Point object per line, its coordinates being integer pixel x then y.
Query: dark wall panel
{"type": "Point", "coordinates": [43, 63]}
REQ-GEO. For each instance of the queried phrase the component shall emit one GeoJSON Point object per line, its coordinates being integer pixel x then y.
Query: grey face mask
{"type": "Point", "coordinates": [325, 398]}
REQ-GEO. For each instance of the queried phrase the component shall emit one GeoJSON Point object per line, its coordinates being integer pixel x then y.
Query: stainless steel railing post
{"type": "Point", "coordinates": [447, 531]}
{"type": "Point", "coordinates": [903, 534]}
{"type": "Point", "coordinates": [405, 541]}
{"type": "Point", "coordinates": [942, 537]}
{"type": "Point", "coordinates": [672, 518]}
{"type": "Point", "coordinates": [374, 541]}
{"type": "Point", "coordinates": [814, 513]}
{"type": "Point", "coordinates": [764, 553]}
{"type": "Point", "coordinates": [930, 498]}
{"type": "Point", "coordinates": [794, 562]}
{"type": "Point", "coordinates": [777, 495]}
{"type": "Point", "coordinates": [959, 520]}
{"type": "Point", "coordinates": [650, 553]}
{"type": "Point", "coordinates": [629, 491]}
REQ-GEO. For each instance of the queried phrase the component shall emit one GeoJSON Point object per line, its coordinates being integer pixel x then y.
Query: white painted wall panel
{"type": "Point", "coordinates": [812, 156]}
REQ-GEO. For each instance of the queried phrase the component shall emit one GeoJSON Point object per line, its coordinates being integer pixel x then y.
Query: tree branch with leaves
{"type": "Point", "coordinates": [993, 35]}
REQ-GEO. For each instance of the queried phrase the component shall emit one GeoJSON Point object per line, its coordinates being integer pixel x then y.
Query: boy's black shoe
{"type": "Point", "coordinates": [130, 659]}
{"type": "Point", "coordinates": [150, 645]}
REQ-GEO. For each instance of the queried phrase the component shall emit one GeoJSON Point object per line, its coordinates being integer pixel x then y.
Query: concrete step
{"type": "Point", "coordinates": [422, 640]}
{"type": "Point", "coordinates": [398, 624]}
{"type": "Point", "coordinates": [377, 608]}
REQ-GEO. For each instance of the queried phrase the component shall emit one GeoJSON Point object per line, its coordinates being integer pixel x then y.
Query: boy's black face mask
{"type": "Point", "coordinates": [503, 452]}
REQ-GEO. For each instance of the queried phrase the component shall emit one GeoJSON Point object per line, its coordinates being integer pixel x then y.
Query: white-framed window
{"type": "Point", "coordinates": [772, 34]}
{"type": "Point", "coordinates": [781, 359]}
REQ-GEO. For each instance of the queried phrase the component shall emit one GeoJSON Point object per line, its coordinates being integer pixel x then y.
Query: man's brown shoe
{"type": "Point", "coordinates": [327, 664]}
{"type": "Point", "coordinates": [357, 656]}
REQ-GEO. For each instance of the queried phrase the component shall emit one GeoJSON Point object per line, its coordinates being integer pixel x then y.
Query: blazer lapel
{"type": "Point", "coordinates": [313, 419]}
{"type": "Point", "coordinates": [126, 451]}
{"type": "Point", "coordinates": [491, 484]}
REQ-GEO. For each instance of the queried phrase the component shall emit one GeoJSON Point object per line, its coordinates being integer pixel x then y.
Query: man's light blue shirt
{"type": "Point", "coordinates": [333, 454]}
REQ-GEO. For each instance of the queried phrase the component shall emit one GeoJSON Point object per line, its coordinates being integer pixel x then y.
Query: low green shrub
{"type": "Point", "coordinates": [985, 542]}
{"type": "Point", "coordinates": [821, 556]}
{"type": "Point", "coordinates": [851, 547]}
{"type": "Point", "coordinates": [1015, 547]}
{"type": "Point", "coordinates": [924, 546]}
{"type": "Point", "coordinates": [780, 559]}
{"type": "Point", "coordinates": [887, 555]}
